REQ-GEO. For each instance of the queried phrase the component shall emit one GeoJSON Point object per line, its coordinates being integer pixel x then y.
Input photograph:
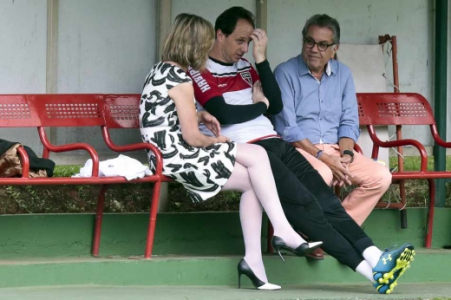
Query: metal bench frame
{"type": "Point", "coordinates": [401, 109]}
{"type": "Point", "coordinates": [41, 111]}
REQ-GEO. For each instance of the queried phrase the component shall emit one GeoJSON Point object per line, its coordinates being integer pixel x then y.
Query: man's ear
{"type": "Point", "coordinates": [220, 36]}
{"type": "Point", "coordinates": [334, 50]}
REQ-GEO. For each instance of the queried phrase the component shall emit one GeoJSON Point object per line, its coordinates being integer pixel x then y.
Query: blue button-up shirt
{"type": "Point", "coordinates": [322, 111]}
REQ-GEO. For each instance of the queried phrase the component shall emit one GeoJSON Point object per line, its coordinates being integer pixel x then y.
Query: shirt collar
{"type": "Point", "coordinates": [303, 69]}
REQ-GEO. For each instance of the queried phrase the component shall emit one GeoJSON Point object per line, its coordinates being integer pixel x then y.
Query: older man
{"type": "Point", "coordinates": [227, 90]}
{"type": "Point", "coordinates": [320, 117]}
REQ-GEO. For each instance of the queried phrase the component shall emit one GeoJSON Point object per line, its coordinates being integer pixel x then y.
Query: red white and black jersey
{"type": "Point", "coordinates": [234, 82]}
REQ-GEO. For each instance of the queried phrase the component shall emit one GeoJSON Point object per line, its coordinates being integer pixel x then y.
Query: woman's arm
{"type": "Point", "coordinates": [183, 97]}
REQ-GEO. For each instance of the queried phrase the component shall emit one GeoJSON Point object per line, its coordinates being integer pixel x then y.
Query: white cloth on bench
{"type": "Point", "coordinates": [123, 165]}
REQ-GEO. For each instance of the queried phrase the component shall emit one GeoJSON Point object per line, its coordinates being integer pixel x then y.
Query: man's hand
{"type": "Point", "coordinates": [339, 167]}
{"type": "Point", "coordinates": [257, 94]}
{"type": "Point", "coordinates": [346, 160]}
{"type": "Point", "coordinates": [222, 139]}
{"type": "Point", "coordinates": [260, 41]}
{"type": "Point", "coordinates": [210, 122]}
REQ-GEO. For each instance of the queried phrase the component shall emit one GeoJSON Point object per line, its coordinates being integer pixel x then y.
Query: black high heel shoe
{"type": "Point", "coordinates": [303, 249]}
{"type": "Point", "coordinates": [243, 268]}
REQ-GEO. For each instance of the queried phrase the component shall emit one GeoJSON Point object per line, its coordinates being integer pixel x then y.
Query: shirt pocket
{"type": "Point", "coordinates": [334, 110]}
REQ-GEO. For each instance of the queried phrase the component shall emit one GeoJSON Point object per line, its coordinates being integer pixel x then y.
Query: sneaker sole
{"type": "Point", "coordinates": [402, 264]}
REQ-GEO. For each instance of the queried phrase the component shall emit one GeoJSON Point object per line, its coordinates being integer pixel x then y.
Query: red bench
{"type": "Point", "coordinates": [403, 109]}
{"type": "Point", "coordinates": [121, 111]}
{"type": "Point", "coordinates": [75, 110]}
{"type": "Point", "coordinates": [104, 111]}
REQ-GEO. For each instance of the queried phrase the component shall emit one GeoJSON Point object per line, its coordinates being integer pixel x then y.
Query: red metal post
{"type": "Point", "coordinates": [152, 219]}
{"type": "Point", "coordinates": [430, 220]}
{"type": "Point", "coordinates": [98, 220]}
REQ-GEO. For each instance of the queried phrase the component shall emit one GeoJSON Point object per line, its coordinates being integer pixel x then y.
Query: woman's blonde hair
{"type": "Point", "coordinates": [189, 41]}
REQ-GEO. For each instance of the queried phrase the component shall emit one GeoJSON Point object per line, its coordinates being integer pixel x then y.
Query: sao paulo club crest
{"type": "Point", "coordinates": [247, 77]}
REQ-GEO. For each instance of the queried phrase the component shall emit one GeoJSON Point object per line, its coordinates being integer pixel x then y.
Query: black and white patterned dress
{"type": "Point", "coordinates": [203, 171]}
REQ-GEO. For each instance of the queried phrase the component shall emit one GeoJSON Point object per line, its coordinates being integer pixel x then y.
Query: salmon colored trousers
{"type": "Point", "coordinates": [370, 177]}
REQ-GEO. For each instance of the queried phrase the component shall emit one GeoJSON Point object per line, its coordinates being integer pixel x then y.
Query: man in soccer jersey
{"type": "Point", "coordinates": [239, 97]}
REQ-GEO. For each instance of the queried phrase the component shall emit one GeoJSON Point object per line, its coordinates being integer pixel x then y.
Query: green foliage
{"type": "Point", "coordinates": [412, 163]}
{"type": "Point", "coordinates": [136, 197]}
{"type": "Point", "coordinates": [179, 201]}
{"type": "Point", "coordinates": [417, 191]}
{"type": "Point", "coordinates": [66, 171]}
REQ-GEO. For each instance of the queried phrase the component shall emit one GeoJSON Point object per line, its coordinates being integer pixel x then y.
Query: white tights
{"type": "Point", "coordinates": [253, 177]}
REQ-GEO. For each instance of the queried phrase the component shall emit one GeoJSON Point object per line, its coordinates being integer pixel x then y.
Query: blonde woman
{"type": "Point", "coordinates": [206, 165]}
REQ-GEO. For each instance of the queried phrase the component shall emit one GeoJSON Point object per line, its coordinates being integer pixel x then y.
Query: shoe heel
{"type": "Point", "coordinates": [277, 244]}
{"type": "Point", "coordinates": [280, 254]}
{"type": "Point", "coordinates": [243, 268]}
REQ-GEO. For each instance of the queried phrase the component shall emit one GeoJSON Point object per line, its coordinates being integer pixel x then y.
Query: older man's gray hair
{"type": "Point", "coordinates": [324, 21]}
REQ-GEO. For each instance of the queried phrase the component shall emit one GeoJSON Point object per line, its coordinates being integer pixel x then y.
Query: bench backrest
{"type": "Point", "coordinates": [15, 111]}
{"type": "Point", "coordinates": [122, 111]}
{"type": "Point", "coordinates": [394, 109]}
{"type": "Point", "coordinates": [70, 110]}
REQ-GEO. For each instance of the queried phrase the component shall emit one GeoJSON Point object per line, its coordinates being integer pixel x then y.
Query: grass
{"type": "Point", "coordinates": [412, 163]}
{"type": "Point", "coordinates": [135, 197]}
{"type": "Point", "coordinates": [417, 191]}
{"type": "Point", "coordinates": [119, 198]}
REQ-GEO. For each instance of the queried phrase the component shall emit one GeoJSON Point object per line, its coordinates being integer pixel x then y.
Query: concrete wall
{"type": "Point", "coordinates": [104, 46]}
{"type": "Point", "coordinates": [108, 46]}
{"type": "Point", "coordinates": [22, 55]}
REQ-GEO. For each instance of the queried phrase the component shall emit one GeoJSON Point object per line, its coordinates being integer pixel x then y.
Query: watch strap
{"type": "Point", "coordinates": [350, 153]}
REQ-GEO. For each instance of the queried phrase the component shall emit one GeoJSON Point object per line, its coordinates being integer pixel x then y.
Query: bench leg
{"type": "Point", "coordinates": [403, 214]}
{"type": "Point", "coordinates": [98, 221]}
{"type": "Point", "coordinates": [430, 219]}
{"type": "Point", "coordinates": [152, 220]}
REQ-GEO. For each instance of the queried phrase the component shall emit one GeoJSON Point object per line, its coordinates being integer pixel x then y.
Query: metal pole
{"type": "Point", "coordinates": [164, 10]}
{"type": "Point", "coordinates": [441, 42]}
{"type": "Point", "coordinates": [262, 14]}
{"type": "Point", "coordinates": [52, 56]}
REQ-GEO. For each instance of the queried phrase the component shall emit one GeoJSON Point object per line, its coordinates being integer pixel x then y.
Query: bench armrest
{"type": "Point", "coordinates": [404, 142]}
{"type": "Point", "coordinates": [134, 147]}
{"type": "Point", "coordinates": [71, 147]}
{"type": "Point", "coordinates": [25, 161]}
{"type": "Point", "coordinates": [443, 144]}
{"type": "Point", "coordinates": [438, 139]}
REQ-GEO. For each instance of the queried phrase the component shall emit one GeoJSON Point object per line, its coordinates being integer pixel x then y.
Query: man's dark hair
{"type": "Point", "coordinates": [228, 19]}
{"type": "Point", "coordinates": [324, 21]}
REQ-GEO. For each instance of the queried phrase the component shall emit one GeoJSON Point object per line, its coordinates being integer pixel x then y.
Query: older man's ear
{"type": "Point", "coordinates": [334, 52]}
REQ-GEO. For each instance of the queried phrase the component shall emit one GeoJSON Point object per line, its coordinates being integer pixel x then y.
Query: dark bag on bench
{"type": "Point", "coordinates": [10, 165]}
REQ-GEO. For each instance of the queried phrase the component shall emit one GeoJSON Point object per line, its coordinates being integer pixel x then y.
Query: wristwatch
{"type": "Point", "coordinates": [350, 153]}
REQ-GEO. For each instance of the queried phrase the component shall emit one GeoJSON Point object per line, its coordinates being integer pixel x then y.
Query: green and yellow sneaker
{"type": "Point", "coordinates": [392, 265]}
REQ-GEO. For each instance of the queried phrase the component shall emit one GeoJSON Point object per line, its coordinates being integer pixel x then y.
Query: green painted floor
{"type": "Point", "coordinates": [406, 291]}
{"type": "Point", "coordinates": [430, 266]}
{"type": "Point", "coordinates": [196, 255]}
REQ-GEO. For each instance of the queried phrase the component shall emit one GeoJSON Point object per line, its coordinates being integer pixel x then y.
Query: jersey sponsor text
{"type": "Point", "coordinates": [200, 81]}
